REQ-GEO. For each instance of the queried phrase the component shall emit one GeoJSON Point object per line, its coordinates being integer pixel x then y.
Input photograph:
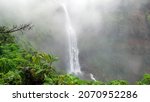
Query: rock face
{"type": "Point", "coordinates": [120, 49]}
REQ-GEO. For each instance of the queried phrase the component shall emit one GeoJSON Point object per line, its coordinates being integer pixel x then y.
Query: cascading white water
{"type": "Point", "coordinates": [73, 48]}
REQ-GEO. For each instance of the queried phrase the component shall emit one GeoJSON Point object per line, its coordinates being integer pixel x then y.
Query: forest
{"type": "Point", "coordinates": [93, 42]}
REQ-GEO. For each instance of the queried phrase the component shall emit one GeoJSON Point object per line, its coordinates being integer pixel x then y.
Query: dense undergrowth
{"type": "Point", "coordinates": [21, 67]}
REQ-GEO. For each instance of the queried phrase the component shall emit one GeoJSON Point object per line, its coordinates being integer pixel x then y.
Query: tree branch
{"type": "Point", "coordinates": [15, 28]}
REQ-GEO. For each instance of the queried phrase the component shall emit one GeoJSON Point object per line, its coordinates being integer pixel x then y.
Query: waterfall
{"type": "Point", "coordinates": [72, 43]}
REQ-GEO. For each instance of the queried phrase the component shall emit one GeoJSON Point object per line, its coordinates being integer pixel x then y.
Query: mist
{"type": "Point", "coordinates": [113, 35]}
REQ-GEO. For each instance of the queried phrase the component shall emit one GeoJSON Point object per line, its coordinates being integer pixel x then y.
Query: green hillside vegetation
{"type": "Point", "coordinates": [21, 67]}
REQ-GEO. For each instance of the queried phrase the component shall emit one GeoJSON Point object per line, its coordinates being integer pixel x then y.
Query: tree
{"type": "Point", "coordinates": [5, 32]}
{"type": "Point", "coordinates": [4, 29]}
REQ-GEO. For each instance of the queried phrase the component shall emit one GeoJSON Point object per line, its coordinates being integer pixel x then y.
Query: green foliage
{"type": "Point", "coordinates": [43, 59]}
{"type": "Point", "coordinates": [10, 51]}
{"type": "Point", "coordinates": [11, 57]}
{"type": "Point", "coordinates": [10, 78]}
{"type": "Point", "coordinates": [145, 80]}
{"type": "Point", "coordinates": [39, 69]}
{"type": "Point", "coordinates": [118, 82]}
{"type": "Point", "coordinates": [1, 79]}
{"type": "Point", "coordinates": [31, 66]}
{"type": "Point", "coordinates": [35, 74]}
{"type": "Point", "coordinates": [69, 79]}
{"type": "Point", "coordinates": [6, 65]}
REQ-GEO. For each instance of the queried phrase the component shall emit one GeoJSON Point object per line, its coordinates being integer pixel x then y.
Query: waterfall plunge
{"type": "Point", "coordinates": [73, 48]}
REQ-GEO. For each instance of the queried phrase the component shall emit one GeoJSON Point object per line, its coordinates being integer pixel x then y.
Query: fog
{"type": "Point", "coordinates": [113, 35]}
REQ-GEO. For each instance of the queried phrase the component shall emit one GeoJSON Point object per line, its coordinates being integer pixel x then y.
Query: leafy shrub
{"type": "Point", "coordinates": [69, 79]}
{"type": "Point", "coordinates": [10, 51]}
{"type": "Point", "coordinates": [6, 65]}
{"type": "Point", "coordinates": [39, 68]}
{"type": "Point", "coordinates": [43, 59]}
{"type": "Point", "coordinates": [29, 77]}
{"type": "Point", "coordinates": [12, 78]}
{"type": "Point", "coordinates": [1, 79]}
{"type": "Point", "coordinates": [145, 80]}
{"type": "Point", "coordinates": [49, 81]}
{"type": "Point", "coordinates": [118, 82]}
